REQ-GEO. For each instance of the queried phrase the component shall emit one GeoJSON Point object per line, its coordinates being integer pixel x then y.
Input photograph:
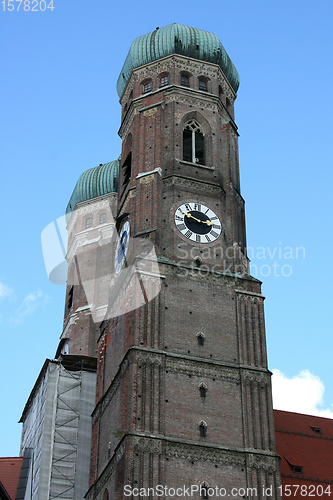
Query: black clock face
{"type": "Point", "coordinates": [197, 222]}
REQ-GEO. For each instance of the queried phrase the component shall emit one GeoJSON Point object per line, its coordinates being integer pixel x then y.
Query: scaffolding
{"type": "Point", "coordinates": [57, 424]}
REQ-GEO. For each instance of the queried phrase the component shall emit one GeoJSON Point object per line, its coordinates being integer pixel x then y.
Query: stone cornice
{"type": "Point", "coordinates": [237, 278]}
{"type": "Point", "coordinates": [251, 295]}
{"type": "Point", "coordinates": [183, 63]}
{"type": "Point", "coordinates": [186, 450]}
{"type": "Point", "coordinates": [182, 363]}
{"type": "Point", "coordinates": [191, 182]}
{"type": "Point", "coordinates": [91, 205]}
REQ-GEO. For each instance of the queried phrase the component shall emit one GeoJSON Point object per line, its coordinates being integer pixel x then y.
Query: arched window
{"type": "Point", "coordinates": [147, 87]}
{"type": "Point", "coordinates": [193, 143]}
{"type": "Point", "coordinates": [88, 222]}
{"type": "Point", "coordinates": [203, 85]}
{"type": "Point", "coordinates": [102, 218]}
{"type": "Point", "coordinates": [70, 297]}
{"type": "Point", "coordinates": [202, 389]}
{"type": "Point", "coordinates": [164, 81]}
{"type": "Point", "coordinates": [204, 490]}
{"type": "Point", "coordinates": [127, 169]}
{"type": "Point", "coordinates": [201, 338]}
{"type": "Point", "coordinates": [185, 81]}
{"type": "Point", "coordinates": [203, 429]}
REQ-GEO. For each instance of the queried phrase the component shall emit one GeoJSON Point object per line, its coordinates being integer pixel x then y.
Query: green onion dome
{"type": "Point", "coordinates": [177, 39]}
{"type": "Point", "coordinates": [95, 182]}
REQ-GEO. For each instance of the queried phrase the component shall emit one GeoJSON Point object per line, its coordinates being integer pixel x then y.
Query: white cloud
{"type": "Point", "coordinates": [30, 303]}
{"type": "Point", "coordinates": [5, 291]}
{"type": "Point", "coordinates": [303, 393]}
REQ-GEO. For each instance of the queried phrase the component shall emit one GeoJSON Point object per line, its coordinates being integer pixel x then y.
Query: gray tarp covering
{"type": "Point", "coordinates": [57, 425]}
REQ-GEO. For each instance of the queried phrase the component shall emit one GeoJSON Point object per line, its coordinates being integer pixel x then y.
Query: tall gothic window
{"type": "Point", "coordinates": [204, 491]}
{"type": "Point", "coordinates": [127, 169]}
{"type": "Point", "coordinates": [202, 429]}
{"type": "Point", "coordinates": [70, 297]}
{"type": "Point", "coordinates": [203, 390]}
{"type": "Point", "coordinates": [193, 143]}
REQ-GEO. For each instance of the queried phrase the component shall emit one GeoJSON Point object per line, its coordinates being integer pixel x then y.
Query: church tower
{"type": "Point", "coordinates": [183, 390]}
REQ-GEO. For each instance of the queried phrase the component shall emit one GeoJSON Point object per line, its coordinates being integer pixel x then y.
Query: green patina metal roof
{"type": "Point", "coordinates": [177, 39]}
{"type": "Point", "coordinates": [95, 182]}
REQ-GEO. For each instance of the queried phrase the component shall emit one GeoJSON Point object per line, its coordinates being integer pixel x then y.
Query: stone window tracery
{"type": "Point", "coordinates": [193, 143]}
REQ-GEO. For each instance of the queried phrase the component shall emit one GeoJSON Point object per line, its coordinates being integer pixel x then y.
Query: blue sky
{"type": "Point", "coordinates": [60, 116]}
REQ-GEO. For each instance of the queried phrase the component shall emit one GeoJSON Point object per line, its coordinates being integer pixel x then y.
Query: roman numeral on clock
{"type": "Point", "coordinates": [188, 207]}
{"type": "Point", "coordinates": [198, 238]}
{"type": "Point", "coordinates": [188, 234]}
{"type": "Point", "coordinates": [207, 237]}
{"type": "Point", "coordinates": [197, 207]}
{"type": "Point", "coordinates": [178, 218]}
{"type": "Point", "coordinates": [181, 227]}
{"type": "Point", "coordinates": [214, 234]}
{"type": "Point", "coordinates": [213, 218]}
{"type": "Point", "coordinates": [216, 226]}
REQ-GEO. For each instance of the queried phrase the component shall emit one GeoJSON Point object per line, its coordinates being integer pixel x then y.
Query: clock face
{"type": "Point", "coordinates": [122, 247]}
{"type": "Point", "coordinates": [197, 222]}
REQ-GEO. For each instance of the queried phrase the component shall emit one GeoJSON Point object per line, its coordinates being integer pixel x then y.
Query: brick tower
{"type": "Point", "coordinates": [183, 389]}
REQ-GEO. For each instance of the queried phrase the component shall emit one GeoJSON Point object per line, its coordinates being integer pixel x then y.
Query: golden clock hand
{"type": "Point", "coordinates": [208, 222]}
{"type": "Point", "coordinates": [189, 215]}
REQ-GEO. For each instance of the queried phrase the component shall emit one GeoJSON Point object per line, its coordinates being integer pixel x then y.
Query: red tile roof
{"type": "Point", "coordinates": [10, 468]}
{"type": "Point", "coordinates": [305, 441]}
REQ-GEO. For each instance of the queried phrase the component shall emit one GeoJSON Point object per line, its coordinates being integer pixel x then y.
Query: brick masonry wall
{"type": "Point", "coordinates": [151, 365]}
